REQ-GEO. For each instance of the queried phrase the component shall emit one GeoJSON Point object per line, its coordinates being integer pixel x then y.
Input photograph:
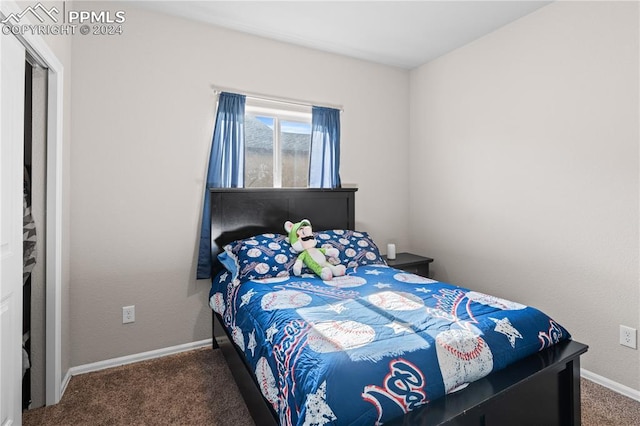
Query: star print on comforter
{"type": "Point", "coordinates": [370, 346]}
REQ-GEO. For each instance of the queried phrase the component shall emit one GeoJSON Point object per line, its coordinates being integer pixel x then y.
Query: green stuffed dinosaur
{"type": "Point", "coordinates": [302, 240]}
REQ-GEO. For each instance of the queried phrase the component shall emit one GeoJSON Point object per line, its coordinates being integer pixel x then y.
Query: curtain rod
{"type": "Point", "coordinates": [217, 90]}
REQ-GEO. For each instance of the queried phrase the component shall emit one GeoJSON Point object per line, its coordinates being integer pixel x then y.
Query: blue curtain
{"type": "Point", "coordinates": [324, 161]}
{"type": "Point", "coordinates": [226, 167]}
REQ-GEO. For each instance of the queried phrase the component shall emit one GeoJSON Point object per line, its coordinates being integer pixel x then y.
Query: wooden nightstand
{"type": "Point", "coordinates": [413, 263]}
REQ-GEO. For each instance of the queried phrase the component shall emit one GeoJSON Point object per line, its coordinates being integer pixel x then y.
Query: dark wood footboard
{"type": "Point", "coordinates": [542, 389]}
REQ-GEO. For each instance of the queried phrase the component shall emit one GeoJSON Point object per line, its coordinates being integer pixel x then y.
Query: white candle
{"type": "Point", "coordinates": [391, 251]}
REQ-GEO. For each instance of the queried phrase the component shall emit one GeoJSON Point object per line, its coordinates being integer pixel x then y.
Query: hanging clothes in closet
{"type": "Point", "coordinates": [28, 263]}
{"type": "Point", "coordinates": [28, 231]}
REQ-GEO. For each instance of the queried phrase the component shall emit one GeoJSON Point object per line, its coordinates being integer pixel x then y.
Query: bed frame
{"type": "Point", "coordinates": [542, 389]}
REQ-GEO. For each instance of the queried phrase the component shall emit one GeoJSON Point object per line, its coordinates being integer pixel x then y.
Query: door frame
{"type": "Point", "coordinates": [42, 53]}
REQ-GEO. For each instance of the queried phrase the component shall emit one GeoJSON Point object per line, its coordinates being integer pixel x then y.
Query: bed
{"type": "Point", "coordinates": [473, 381]}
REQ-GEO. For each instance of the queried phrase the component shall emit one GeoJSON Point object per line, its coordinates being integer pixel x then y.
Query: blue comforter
{"type": "Point", "coordinates": [368, 347]}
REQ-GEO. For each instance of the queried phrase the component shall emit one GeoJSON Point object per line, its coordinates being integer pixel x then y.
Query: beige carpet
{"type": "Point", "coordinates": [196, 388]}
{"type": "Point", "coordinates": [192, 388]}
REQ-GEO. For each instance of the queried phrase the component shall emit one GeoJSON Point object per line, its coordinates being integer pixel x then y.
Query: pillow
{"type": "Point", "coordinates": [356, 248]}
{"type": "Point", "coordinates": [271, 255]}
{"type": "Point", "coordinates": [261, 256]}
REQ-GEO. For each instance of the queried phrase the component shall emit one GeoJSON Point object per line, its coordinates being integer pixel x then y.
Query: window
{"type": "Point", "coordinates": [277, 140]}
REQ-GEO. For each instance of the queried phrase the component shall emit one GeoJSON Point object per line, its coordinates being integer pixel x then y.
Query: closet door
{"type": "Point", "coordinates": [12, 59]}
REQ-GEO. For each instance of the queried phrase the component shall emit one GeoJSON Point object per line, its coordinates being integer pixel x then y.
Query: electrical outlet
{"type": "Point", "coordinates": [128, 314]}
{"type": "Point", "coordinates": [628, 337]}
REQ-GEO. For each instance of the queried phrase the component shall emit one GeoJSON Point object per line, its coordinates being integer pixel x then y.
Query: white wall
{"type": "Point", "coordinates": [143, 112]}
{"type": "Point", "coordinates": [524, 170]}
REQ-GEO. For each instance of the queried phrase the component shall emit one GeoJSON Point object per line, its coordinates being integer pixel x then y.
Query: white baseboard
{"type": "Point", "coordinates": [65, 383]}
{"type": "Point", "coordinates": [608, 383]}
{"type": "Point", "coordinates": [130, 359]}
{"type": "Point", "coordinates": [158, 353]}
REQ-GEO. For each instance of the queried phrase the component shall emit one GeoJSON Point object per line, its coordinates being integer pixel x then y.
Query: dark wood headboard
{"type": "Point", "coordinates": [238, 213]}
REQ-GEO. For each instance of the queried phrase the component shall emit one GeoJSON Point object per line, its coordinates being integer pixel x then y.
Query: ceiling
{"type": "Point", "coordinates": [405, 34]}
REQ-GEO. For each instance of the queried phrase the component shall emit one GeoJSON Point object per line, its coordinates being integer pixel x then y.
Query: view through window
{"type": "Point", "coordinates": [277, 145]}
